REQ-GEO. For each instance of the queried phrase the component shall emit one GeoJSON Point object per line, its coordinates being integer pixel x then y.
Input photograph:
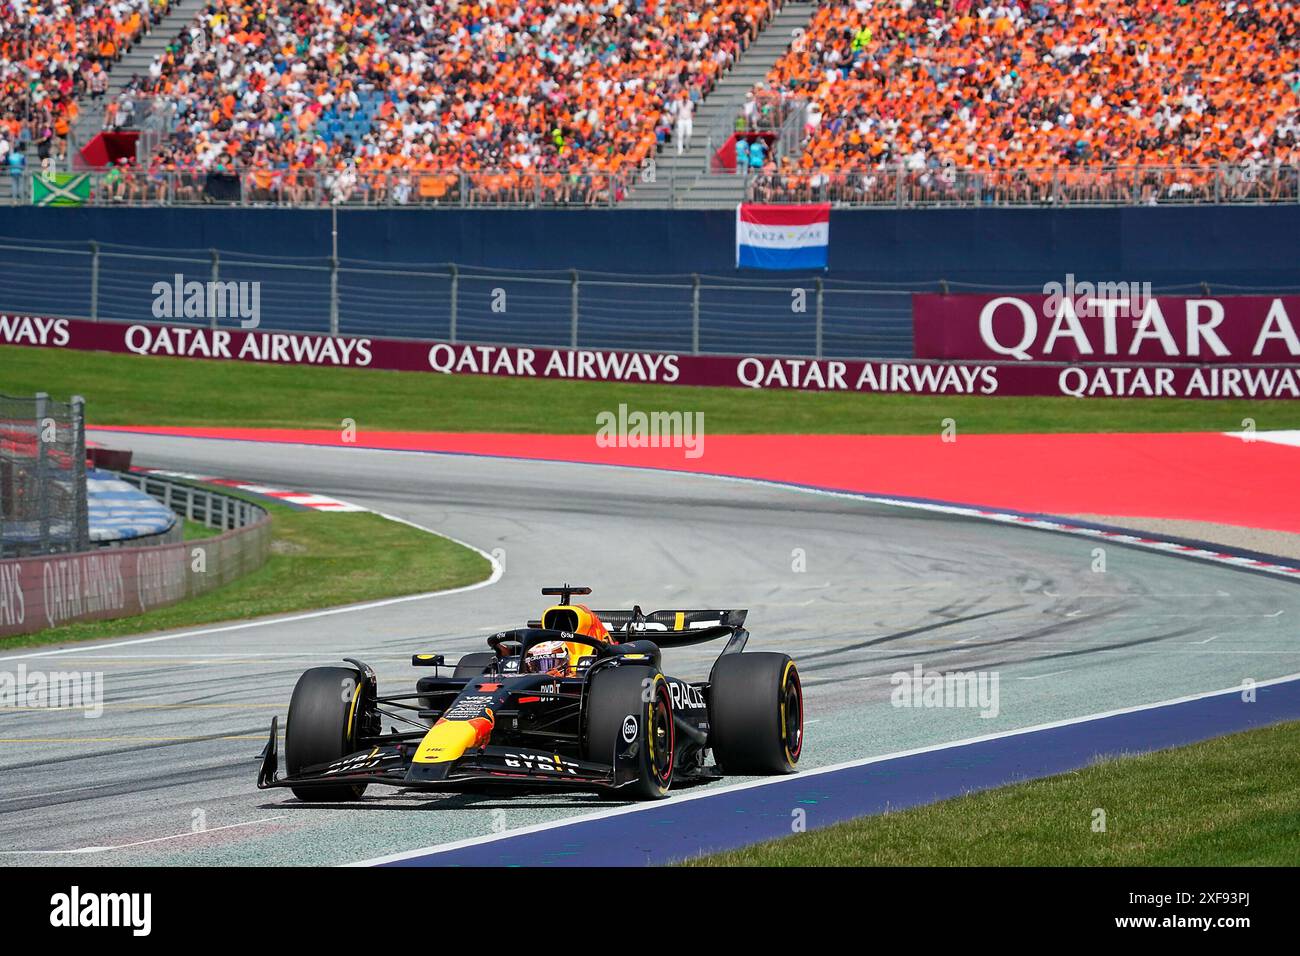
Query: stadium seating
{"type": "Point", "coordinates": [377, 96]}
{"type": "Point", "coordinates": [519, 101]}
{"type": "Point", "coordinates": [1006, 91]}
{"type": "Point", "coordinates": [50, 54]}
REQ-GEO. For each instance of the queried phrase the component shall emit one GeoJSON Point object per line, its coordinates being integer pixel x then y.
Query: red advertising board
{"type": "Point", "coordinates": [930, 375]}
{"type": "Point", "coordinates": [1121, 326]}
{"type": "Point", "coordinates": [42, 592]}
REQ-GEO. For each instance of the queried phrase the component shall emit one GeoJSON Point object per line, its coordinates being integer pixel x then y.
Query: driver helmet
{"type": "Point", "coordinates": [548, 657]}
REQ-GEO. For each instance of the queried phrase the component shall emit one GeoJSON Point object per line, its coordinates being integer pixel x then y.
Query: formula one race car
{"type": "Point", "coordinates": [576, 701]}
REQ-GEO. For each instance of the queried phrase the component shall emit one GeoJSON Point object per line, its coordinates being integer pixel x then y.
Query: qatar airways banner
{"type": "Point", "coordinates": [37, 593]}
{"type": "Point", "coordinates": [973, 377]}
{"type": "Point", "coordinates": [1109, 325]}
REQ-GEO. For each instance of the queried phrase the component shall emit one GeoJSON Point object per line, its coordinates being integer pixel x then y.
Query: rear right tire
{"type": "Point", "coordinates": [755, 714]}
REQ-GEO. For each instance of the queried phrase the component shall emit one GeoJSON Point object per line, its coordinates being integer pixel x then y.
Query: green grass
{"type": "Point", "coordinates": [147, 390]}
{"type": "Point", "coordinates": [1226, 802]}
{"type": "Point", "coordinates": [318, 559]}
{"type": "Point", "coordinates": [197, 530]}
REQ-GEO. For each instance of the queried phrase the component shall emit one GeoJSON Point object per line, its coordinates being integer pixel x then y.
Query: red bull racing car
{"type": "Point", "coordinates": [575, 701]}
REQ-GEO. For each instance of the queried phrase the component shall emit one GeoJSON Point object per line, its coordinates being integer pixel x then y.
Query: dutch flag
{"type": "Point", "coordinates": [782, 237]}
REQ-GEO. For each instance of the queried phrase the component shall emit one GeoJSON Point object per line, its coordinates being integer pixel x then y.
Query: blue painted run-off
{"type": "Point", "coordinates": [675, 830]}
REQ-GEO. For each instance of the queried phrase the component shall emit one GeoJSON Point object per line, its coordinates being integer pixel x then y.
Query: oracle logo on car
{"type": "Point", "coordinates": [686, 696]}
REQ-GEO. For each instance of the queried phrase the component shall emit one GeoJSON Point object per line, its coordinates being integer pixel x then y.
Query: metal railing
{"type": "Point", "coordinates": [505, 188]}
{"type": "Point", "coordinates": [782, 116]}
{"type": "Point", "coordinates": [898, 187]}
{"type": "Point", "coordinates": [726, 123]}
{"type": "Point", "coordinates": [790, 135]}
{"type": "Point", "coordinates": [691, 313]}
{"type": "Point", "coordinates": [884, 187]}
{"type": "Point", "coordinates": [210, 508]}
{"type": "Point", "coordinates": [205, 564]}
{"type": "Point", "coordinates": [688, 313]}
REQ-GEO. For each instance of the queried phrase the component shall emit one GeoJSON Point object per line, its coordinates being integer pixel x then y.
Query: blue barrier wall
{"type": "Point", "coordinates": [1175, 249]}
{"type": "Point", "coordinates": [1238, 245]}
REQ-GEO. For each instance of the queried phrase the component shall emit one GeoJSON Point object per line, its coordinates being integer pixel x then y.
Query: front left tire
{"type": "Point", "coordinates": [629, 704]}
{"type": "Point", "coordinates": [325, 715]}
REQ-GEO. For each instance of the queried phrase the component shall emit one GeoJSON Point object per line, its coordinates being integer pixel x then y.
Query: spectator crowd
{"type": "Point", "coordinates": [944, 88]}
{"type": "Point", "coordinates": [512, 100]}
{"type": "Point", "coordinates": [53, 52]}
{"type": "Point", "coordinates": [500, 97]}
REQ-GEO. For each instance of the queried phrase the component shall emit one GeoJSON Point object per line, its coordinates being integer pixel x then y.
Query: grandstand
{"type": "Point", "coordinates": [1021, 95]}
{"type": "Point", "coordinates": [531, 102]}
{"type": "Point", "coordinates": [54, 56]}
{"type": "Point", "coordinates": [396, 97]}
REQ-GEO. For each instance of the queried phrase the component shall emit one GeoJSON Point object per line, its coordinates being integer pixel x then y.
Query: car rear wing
{"type": "Point", "coordinates": [671, 628]}
{"type": "Point", "coordinates": [670, 620]}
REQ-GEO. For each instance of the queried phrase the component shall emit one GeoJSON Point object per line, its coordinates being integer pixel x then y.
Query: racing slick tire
{"type": "Point", "coordinates": [755, 714]}
{"type": "Point", "coordinates": [472, 665]}
{"type": "Point", "coordinates": [322, 727]}
{"type": "Point", "coordinates": [616, 694]}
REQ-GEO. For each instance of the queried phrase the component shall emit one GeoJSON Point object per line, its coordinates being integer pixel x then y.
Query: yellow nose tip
{"type": "Point", "coordinates": [446, 741]}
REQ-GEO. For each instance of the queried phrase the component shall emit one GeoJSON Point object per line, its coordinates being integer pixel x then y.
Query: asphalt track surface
{"type": "Point", "coordinates": [166, 774]}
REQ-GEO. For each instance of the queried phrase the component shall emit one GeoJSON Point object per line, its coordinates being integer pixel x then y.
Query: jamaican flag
{"type": "Point", "coordinates": [60, 189]}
